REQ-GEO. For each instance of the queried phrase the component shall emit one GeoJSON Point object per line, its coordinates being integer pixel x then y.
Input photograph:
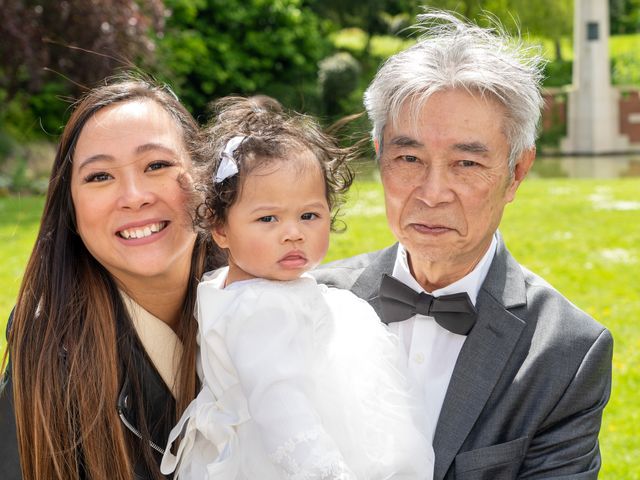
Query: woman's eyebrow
{"type": "Point", "coordinates": [147, 147]}
{"type": "Point", "coordinates": [154, 146]}
{"type": "Point", "coordinates": [94, 158]}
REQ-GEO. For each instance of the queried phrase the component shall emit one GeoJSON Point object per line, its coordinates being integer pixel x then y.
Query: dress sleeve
{"type": "Point", "coordinates": [271, 343]}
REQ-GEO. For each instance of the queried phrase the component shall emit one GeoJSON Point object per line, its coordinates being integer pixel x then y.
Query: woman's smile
{"type": "Point", "coordinates": [142, 231]}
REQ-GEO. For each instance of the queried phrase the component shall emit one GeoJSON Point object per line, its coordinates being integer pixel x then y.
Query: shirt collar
{"type": "Point", "coordinates": [470, 283]}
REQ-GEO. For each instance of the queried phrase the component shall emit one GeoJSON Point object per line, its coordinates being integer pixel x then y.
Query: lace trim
{"type": "Point", "coordinates": [324, 462]}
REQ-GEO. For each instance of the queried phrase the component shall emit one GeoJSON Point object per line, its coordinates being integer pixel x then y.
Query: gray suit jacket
{"type": "Point", "coordinates": [531, 381]}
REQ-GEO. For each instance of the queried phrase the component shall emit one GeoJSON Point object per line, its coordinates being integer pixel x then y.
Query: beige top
{"type": "Point", "coordinates": [162, 345]}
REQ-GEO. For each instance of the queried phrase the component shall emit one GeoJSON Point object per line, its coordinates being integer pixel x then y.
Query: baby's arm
{"type": "Point", "coordinates": [271, 346]}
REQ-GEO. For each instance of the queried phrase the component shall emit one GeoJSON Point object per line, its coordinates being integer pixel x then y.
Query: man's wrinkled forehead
{"type": "Point", "coordinates": [404, 123]}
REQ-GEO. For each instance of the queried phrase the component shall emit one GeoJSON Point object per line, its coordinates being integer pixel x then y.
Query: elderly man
{"type": "Point", "coordinates": [513, 377]}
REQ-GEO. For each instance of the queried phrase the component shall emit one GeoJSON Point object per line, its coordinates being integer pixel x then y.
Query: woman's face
{"type": "Point", "coordinates": [130, 208]}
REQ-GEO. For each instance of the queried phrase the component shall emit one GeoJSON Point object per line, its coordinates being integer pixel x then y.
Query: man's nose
{"type": "Point", "coordinates": [435, 186]}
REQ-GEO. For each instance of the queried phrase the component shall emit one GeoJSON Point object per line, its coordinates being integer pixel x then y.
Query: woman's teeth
{"type": "Point", "coordinates": [142, 232]}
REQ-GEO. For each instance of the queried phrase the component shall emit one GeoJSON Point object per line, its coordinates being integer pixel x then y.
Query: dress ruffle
{"type": "Point", "coordinates": [300, 381]}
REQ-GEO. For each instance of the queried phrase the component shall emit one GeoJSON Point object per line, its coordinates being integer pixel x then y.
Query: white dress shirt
{"type": "Point", "coordinates": [432, 350]}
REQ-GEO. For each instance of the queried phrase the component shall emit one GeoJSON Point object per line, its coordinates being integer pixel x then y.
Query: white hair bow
{"type": "Point", "coordinates": [228, 166]}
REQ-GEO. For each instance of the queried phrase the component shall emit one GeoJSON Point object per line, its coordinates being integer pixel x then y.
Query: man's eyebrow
{"type": "Point", "coordinates": [404, 141]}
{"type": "Point", "coordinates": [472, 147]}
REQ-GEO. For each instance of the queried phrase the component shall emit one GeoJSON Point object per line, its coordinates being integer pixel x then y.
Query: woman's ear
{"type": "Point", "coordinates": [219, 235]}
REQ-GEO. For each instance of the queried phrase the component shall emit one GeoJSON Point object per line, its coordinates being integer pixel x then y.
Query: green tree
{"type": "Point", "coordinates": [471, 9]}
{"type": "Point", "coordinates": [213, 48]}
{"type": "Point", "coordinates": [625, 16]}
{"type": "Point", "coordinates": [546, 18]}
{"type": "Point", "coordinates": [552, 19]}
{"type": "Point", "coordinates": [51, 49]}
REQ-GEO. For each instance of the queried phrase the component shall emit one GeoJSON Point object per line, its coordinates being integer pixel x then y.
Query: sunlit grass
{"type": "Point", "coordinates": [583, 236]}
{"type": "Point", "coordinates": [19, 221]}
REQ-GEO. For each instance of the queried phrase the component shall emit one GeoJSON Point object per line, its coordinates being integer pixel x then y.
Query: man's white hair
{"type": "Point", "coordinates": [452, 53]}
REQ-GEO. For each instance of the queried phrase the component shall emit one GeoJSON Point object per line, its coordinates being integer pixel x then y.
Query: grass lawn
{"type": "Point", "coordinates": [19, 221]}
{"type": "Point", "coordinates": [583, 236]}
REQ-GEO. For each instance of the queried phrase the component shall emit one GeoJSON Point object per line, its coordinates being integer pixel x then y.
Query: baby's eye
{"type": "Point", "coordinates": [309, 216]}
{"type": "Point", "coordinates": [97, 177]}
{"type": "Point", "coordinates": [159, 164]}
{"type": "Point", "coordinates": [267, 219]}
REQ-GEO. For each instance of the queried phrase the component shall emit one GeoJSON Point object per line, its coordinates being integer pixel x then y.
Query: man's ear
{"type": "Point", "coordinates": [219, 235]}
{"type": "Point", "coordinates": [376, 146]}
{"type": "Point", "coordinates": [520, 171]}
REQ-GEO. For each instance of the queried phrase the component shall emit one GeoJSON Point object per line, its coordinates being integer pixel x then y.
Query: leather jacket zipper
{"type": "Point", "coordinates": [123, 398]}
{"type": "Point", "coordinates": [136, 432]}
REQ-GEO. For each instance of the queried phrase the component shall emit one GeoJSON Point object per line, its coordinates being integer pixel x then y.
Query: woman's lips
{"type": "Point", "coordinates": [142, 231]}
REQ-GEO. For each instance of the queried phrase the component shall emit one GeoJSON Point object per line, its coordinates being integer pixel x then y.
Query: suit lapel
{"type": "Point", "coordinates": [367, 286]}
{"type": "Point", "coordinates": [484, 354]}
{"type": "Point", "coordinates": [482, 358]}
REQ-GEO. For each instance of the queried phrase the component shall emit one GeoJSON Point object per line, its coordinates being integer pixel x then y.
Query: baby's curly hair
{"type": "Point", "coordinates": [270, 134]}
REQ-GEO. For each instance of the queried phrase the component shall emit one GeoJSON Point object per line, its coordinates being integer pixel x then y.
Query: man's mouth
{"type": "Point", "coordinates": [430, 228]}
{"type": "Point", "coordinates": [142, 232]}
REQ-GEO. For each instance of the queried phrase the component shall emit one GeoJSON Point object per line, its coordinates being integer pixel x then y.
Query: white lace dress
{"type": "Point", "coordinates": [300, 381]}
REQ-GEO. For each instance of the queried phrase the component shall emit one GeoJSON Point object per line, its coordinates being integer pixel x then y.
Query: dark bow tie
{"type": "Point", "coordinates": [454, 312]}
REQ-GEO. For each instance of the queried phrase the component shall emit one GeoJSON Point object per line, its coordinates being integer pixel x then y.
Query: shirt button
{"type": "Point", "coordinates": [418, 358]}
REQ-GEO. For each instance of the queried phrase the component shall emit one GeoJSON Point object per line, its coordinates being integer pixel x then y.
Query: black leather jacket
{"type": "Point", "coordinates": [157, 401]}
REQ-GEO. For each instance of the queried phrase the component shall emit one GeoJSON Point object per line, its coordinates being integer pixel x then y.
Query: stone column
{"type": "Point", "coordinates": [593, 112]}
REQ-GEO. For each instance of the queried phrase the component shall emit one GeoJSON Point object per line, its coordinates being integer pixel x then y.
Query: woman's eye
{"type": "Point", "coordinates": [309, 216]}
{"type": "Point", "coordinates": [267, 219]}
{"type": "Point", "coordinates": [97, 177]}
{"type": "Point", "coordinates": [158, 165]}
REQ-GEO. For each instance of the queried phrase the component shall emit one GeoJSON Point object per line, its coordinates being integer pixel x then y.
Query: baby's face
{"type": "Point", "coordinates": [278, 228]}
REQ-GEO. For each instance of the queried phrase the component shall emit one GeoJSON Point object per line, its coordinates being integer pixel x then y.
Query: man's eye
{"type": "Point", "coordinates": [267, 219]}
{"type": "Point", "coordinates": [467, 163]}
{"type": "Point", "coordinates": [409, 158]}
{"type": "Point", "coordinates": [309, 216]}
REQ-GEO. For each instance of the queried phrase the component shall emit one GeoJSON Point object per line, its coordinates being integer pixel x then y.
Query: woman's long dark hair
{"type": "Point", "coordinates": [71, 337]}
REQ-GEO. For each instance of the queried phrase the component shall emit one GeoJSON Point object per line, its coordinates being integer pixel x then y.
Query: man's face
{"type": "Point", "coordinates": [446, 181]}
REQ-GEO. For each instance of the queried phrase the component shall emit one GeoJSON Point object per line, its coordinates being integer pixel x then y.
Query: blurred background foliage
{"type": "Point", "coordinates": [316, 56]}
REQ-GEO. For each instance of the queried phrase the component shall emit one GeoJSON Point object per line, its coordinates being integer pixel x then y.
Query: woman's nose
{"type": "Point", "coordinates": [135, 194]}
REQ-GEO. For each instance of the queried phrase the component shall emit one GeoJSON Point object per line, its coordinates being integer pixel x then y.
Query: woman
{"type": "Point", "coordinates": [102, 339]}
